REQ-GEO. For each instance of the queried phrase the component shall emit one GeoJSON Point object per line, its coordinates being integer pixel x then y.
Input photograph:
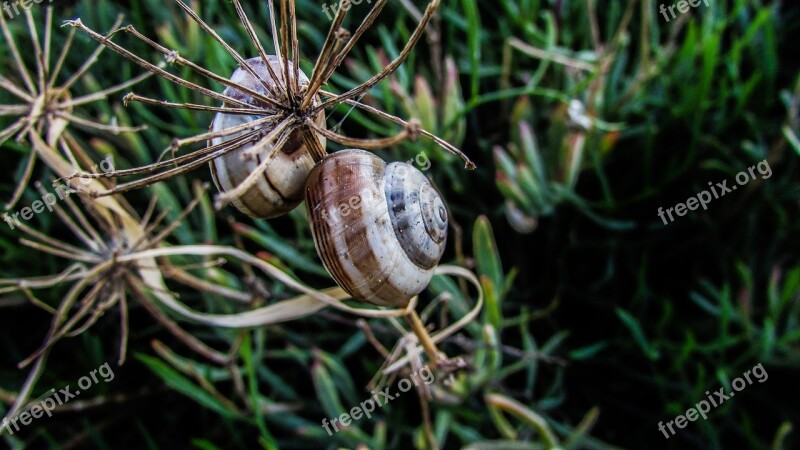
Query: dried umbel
{"type": "Point", "coordinates": [44, 99]}
{"type": "Point", "coordinates": [380, 229]}
{"type": "Point", "coordinates": [281, 188]}
{"type": "Point", "coordinates": [291, 108]}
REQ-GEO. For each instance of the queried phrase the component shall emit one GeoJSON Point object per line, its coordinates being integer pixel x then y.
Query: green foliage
{"type": "Point", "coordinates": [599, 321]}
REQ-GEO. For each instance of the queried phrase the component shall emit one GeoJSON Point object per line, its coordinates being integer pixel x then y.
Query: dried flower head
{"type": "Point", "coordinates": [47, 106]}
{"type": "Point", "coordinates": [289, 105]}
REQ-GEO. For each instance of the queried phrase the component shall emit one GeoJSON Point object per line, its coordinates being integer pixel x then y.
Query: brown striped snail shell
{"type": "Point", "coordinates": [281, 188]}
{"type": "Point", "coordinates": [380, 229]}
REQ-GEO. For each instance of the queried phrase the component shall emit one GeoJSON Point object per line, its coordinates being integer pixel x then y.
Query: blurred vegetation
{"type": "Point", "coordinates": [584, 118]}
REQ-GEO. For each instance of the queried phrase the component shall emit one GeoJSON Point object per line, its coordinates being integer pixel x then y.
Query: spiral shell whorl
{"type": "Point", "coordinates": [367, 226]}
{"type": "Point", "coordinates": [281, 188]}
{"type": "Point", "coordinates": [417, 214]}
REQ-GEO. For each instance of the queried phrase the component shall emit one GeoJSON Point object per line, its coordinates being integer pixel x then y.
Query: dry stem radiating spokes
{"type": "Point", "coordinates": [285, 99]}
{"type": "Point", "coordinates": [49, 107]}
{"type": "Point", "coordinates": [101, 278]}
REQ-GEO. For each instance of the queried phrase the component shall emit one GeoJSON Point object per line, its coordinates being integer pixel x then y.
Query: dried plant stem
{"type": "Point", "coordinates": [6, 84]}
{"type": "Point", "coordinates": [131, 97]}
{"type": "Point", "coordinates": [106, 41]}
{"type": "Point", "coordinates": [239, 59]}
{"type": "Point", "coordinates": [276, 88]}
{"type": "Point", "coordinates": [455, 326]}
{"type": "Point", "coordinates": [439, 141]}
{"type": "Point", "coordinates": [103, 94]}
{"type": "Point", "coordinates": [342, 53]}
{"type": "Point", "coordinates": [166, 174]}
{"type": "Point", "coordinates": [115, 129]}
{"type": "Point", "coordinates": [226, 145]}
{"type": "Point", "coordinates": [41, 72]}
{"type": "Point", "coordinates": [74, 272]}
{"type": "Point", "coordinates": [200, 284]}
{"type": "Point", "coordinates": [190, 370]}
{"type": "Point", "coordinates": [375, 144]}
{"type": "Point", "coordinates": [23, 183]}
{"type": "Point", "coordinates": [12, 45]}
{"type": "Point", "coordinates": [256, 317]}
{"type": "Point", "coordinates": [174, 58]}
{"type": "Point", "coordinates": [123, 326]}
{"type": "Point", "coordinates": [295, 49]}
{"type": "Point", "coordinates": [285, 43]}
{"type": "Point", "coordinates": [65, 48]}
{"type": "Point", "coordinates": [434, 356]}
{"type": "Point", "coordinates": [276, 138]}
{"type": "Point", "coordinates": [390, 68]}
{"type": "Point", "coordinates": [185, 337]}
{"type": "Point", "coordinates": [551, 56]}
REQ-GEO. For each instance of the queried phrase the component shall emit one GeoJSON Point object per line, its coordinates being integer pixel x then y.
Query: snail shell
{"type": "Point", "coordinates": [281, 188]}
{"type": "Point", "coordinates": [379, 229]}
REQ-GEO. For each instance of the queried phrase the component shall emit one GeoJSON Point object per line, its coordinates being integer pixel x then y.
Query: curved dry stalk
{"type": "Point", "coordinates": [410, 132]}
{"type": "Point", "coordinates": [468, 164]}
{"type": "Point", "coordinates": [263, 316]}
{"type": "Point", "coordinates": [123, 326]}
{"type": "Point", "coordinates": [453, 328]}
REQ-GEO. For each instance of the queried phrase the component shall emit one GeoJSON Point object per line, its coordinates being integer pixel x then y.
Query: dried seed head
{"type": "Point", "coordinates": [281, 188]}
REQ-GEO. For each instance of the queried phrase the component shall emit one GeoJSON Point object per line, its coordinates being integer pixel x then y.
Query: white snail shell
{"type": "Point", "coordinates": [281, 188]}
{"type": "Point", "coordinates": [380, 229]}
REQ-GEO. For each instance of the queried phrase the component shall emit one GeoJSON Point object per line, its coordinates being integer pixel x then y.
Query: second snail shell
{"type": "Point", "coordinates": [380, 229]}
{"type": "Point", "coordinates": [281, 188]}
